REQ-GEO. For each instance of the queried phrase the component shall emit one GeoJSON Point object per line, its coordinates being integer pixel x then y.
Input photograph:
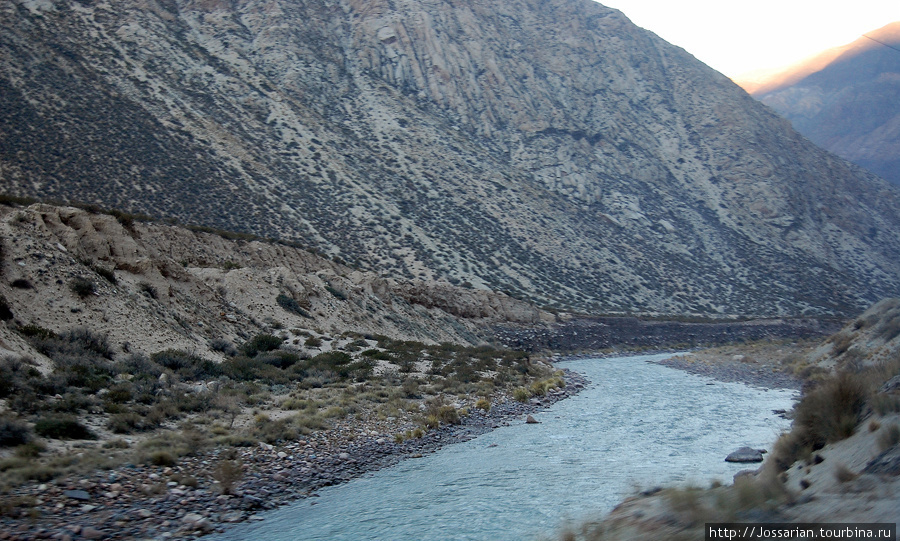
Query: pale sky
{"type": "Point", "coordinates": [736, 37]}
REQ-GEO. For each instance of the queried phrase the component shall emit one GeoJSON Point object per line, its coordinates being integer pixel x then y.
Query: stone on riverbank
{"type": "Point", "coordinates": [745, 454]}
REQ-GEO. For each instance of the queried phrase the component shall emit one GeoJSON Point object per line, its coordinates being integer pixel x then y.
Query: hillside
{"type": "Point", "coordinates": [845, 100]}
{"type": "Point", "coordinates": [149, 287]}
{"type": "Point", "coordinates": [548, 149]}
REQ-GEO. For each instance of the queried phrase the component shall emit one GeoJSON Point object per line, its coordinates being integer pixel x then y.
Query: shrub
{"type": "Point", "coordinates": [5, 310]}
{"type": "Point", "coordinates": [187, 365]}
{"type": "Point", "coordinates": [228, 472]}
{"type": "Point", "coordinates": [62, 427]}
{"type": "Point", "coordinates": [889, 437]}
{"type": "Point", "coordinates": [271, 431]}
{"type": "Point", "coordinates": [32, 449]}
{"type": "Point", "coordinates": [521, 394]}
{"type": "Point", "coordinates": [830, 412]}
{"type": "Point", "coordinates": [106, 274]}
{"type": "Point", "coordinates": [376, 354]}
{"type": "Point", "coordinates": [826, 414]}
{"type": "Point", "coordinates": [290, 305]}
{"type": "Point", "coordinates": [125, 423]}
{"type": "Point", "coordinates": [338, 294]}
{"type": "Point", "coordinates": [313, 342]}
{"type": "Point", "coordinates": [148, 290]}
{"type": "Point", "coordinates": [843, 474]}
{"type": "Point", "coordinates": [484, 404]}
{"type": "Point", "coordinates": [246, 369]}
{"type": "Point", "coordinates": [280, 359]}
{"type": "Point", "coordinates": [223, 346]}
{"type": "Point", "coordinates": [82, 286]}
{"type": "Point", "coordinates": [141, 366]}
{"type": "Point", "coordinates": [162, 458]}
{"type": "Point", "coordinates": [261, 343]}
{"type": "Point", "coordinates": [13, 432]}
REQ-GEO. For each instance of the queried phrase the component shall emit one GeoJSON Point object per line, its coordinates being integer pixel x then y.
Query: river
{"type": "Point", "coordinates": [636, 426]}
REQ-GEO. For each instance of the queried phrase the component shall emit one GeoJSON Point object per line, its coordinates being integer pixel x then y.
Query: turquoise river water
{"type": "Point", "coordinates": [636, 426]}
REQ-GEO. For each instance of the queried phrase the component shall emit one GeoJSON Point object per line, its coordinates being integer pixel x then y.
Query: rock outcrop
{"type": "Point", "coordinates": [549, 149]}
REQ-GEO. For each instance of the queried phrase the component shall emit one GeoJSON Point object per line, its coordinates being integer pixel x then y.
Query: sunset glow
{"type": "Point", "coordinates": [740, 37]}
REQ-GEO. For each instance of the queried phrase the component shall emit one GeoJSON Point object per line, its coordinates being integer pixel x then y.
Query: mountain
{"type": "Point", "coordinates": [549, 149]}
{"type": "Point", "coordinates": [846, 100]}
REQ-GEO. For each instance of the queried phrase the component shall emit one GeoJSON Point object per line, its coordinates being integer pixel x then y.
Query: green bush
{"type": "Point", "coordinates": [187, 365]}
{"type": "Point", "coordinates": [261, 343]}
{"type": "Point", "coordinates": [13, 432]}
{"type": "Point", "coordinates": [338, 363]}
{"type": "Point", "coordinates": [246, 369]}
{"type": "Point", "coordinates": [376, 354]}
{"type": "Point", "coordinates": [62, 427]}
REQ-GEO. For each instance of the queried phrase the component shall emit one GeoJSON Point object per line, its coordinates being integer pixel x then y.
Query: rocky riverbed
{"type": "Point", "coordinates": [179, 501]}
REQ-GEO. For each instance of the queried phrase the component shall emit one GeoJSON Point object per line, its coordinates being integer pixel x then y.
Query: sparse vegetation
{"type": "Point", "coordinates": [62, 427]}
{"type": "Point", "coordinates": [83, 287]}
{"type": "Point", "coordinates": [291, 305]}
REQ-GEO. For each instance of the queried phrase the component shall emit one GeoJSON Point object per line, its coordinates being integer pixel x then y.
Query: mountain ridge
{"type": "Point", "coordinates": [845, 100]}
{"type": "Point", "coordinates": [549, 149]}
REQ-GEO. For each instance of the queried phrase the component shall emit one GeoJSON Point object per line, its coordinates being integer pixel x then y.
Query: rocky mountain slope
{"type": "Point", "coordinates": [149, 287]}
{"type": "Point", "coordinates": [548, 149]}
{"type": "Point", "coordinates": [845, 100]}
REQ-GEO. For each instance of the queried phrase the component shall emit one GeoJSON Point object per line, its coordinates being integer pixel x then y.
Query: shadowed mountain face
{"type": "Point", "coordinates": [547, 148]}
{"type": "Point", "coordinates": [847, 100]}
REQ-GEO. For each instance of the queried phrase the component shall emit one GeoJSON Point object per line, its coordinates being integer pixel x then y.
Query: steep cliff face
{"type": "Point", "coordinates": [550, 149]}
{"type": "Point", "coordinates": [845, 100]}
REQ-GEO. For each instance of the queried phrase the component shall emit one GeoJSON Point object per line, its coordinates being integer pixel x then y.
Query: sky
{"type": "Point", "coordinates": [737, 37]}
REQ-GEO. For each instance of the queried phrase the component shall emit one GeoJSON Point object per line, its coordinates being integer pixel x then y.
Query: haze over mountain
{"type": "Point", "coordinates": [846, 100]}
{"type": "Point", "coordinates": [547, 148]}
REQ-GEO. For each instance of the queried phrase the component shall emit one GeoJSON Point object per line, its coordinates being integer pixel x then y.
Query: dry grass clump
{"type": "Point", "coordinates": [228, 472]}
{"type": "Point", "coordinates": [843, 474]}
{"type": "Point", "coordinates": [889, 437]}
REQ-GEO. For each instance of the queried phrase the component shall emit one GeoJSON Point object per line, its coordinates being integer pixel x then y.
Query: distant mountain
{"type": "Point", "coordinates": [846, 100]}
{"type": "Point", "coordinates": [548, 148]}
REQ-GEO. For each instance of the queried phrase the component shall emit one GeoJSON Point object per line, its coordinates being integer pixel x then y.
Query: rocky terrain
{"type": "Point", "coordinates": [155, 286]}
{"type": "Point", "coordinates": [844, 100]}
{"type": "Point", "coordinates": [551, 150]}
{"type": "Point", "coordinates": [839, 464]}
{"type": "Point", "coordinates": [147, 369]}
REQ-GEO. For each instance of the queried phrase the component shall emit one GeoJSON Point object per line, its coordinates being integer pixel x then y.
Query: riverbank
{"type": "Point", "coordinates": [177, 501]}
{"type": "Point", "coordinates": [767, 364]}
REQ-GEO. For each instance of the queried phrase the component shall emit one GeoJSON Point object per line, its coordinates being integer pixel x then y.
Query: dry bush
{"type": "Point", "coordinates": [228, 473]}
{"type": "Point", "coordinates": [843, 474]}
{"type": "Point", "coordinates": [889, 437]}
{"type": "Point", "coordinates": [831, 411]}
